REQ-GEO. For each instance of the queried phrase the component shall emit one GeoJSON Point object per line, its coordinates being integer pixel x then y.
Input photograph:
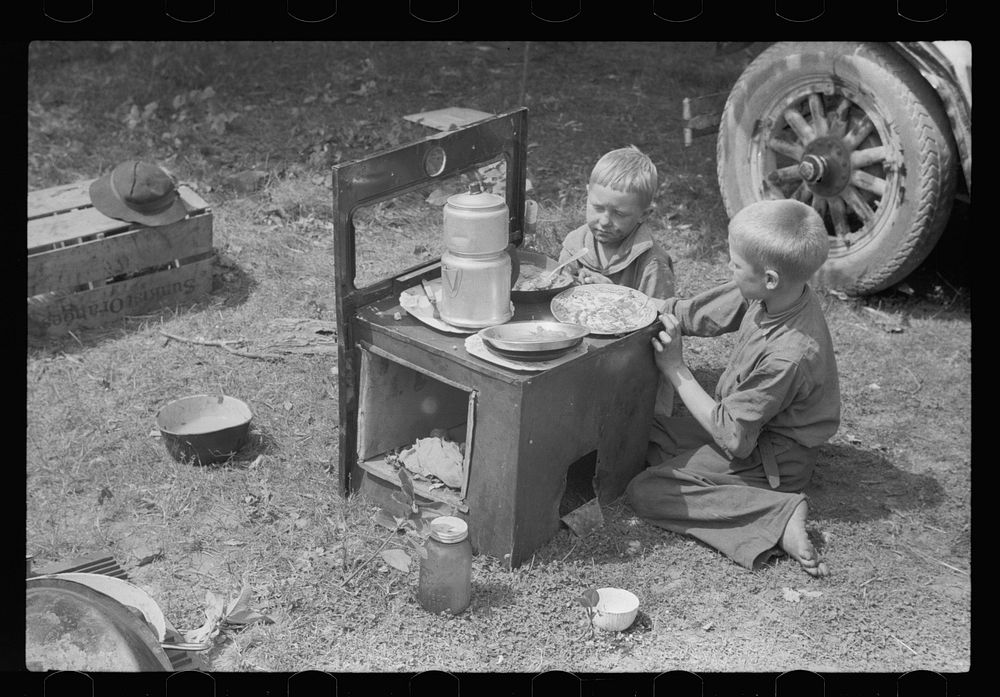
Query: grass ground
{"type": "Point", "coordinates": [890, 504]}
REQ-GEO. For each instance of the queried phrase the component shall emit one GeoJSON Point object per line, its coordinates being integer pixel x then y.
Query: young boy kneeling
{"type": "Point", "coordinates": [731, 474]}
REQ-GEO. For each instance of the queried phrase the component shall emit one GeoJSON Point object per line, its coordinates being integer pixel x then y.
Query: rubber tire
{"type": "Point", "coordinates": [905, 232]}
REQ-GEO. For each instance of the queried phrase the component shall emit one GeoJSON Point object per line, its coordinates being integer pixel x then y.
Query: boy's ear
{"type": "Point", "coordinates": [771, 279]}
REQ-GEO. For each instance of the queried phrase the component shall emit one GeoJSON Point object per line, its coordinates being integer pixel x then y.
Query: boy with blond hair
{"type": "Point", "coordinates": [620, 248]}
{"type": "Point", "coordinates": [731, 474]}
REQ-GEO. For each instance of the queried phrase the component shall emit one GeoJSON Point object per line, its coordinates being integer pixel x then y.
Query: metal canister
{"type": "Point", "coordinates": [476, 269]}
{"type": "Point", "coordinates": [476, 223]}
{"type": "Point", "coordinates": [475, 289]}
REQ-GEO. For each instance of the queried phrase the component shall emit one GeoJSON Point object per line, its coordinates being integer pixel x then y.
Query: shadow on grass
{"type": "Point", "coordinates": [260, 442]}
{"type": "Point", "coordinates": [230, 283]}
{"type": "Point", "coordinates": [942, 283]}
{"type": "Point", "coordinates": [489, 595]}
{"type": "Point", "coordinates": [855, 485]}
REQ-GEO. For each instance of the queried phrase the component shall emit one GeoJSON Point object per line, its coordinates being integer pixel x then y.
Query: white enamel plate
{"type": "Point", "coordinates": [604, 308]}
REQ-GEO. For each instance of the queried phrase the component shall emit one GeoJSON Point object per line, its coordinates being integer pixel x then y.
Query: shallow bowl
{"type": "Point", "coordinates": [204, 428]}
{"type": "Point", "coordinates": [533, 336]}
{"type": "Point", "coordinates": [534, 262]}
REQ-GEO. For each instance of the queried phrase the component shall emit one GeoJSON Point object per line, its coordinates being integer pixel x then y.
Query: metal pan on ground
{"type": "Point", "coordinates": [204, 428]}
{"type": "Point", "coordinates": [604, 308]}
{"type": "Point", "coordinates": [529, 287]}
{"type": "Point", "coordinates": [125, 593]}
{"type": "Point", "coordinates": [70, 626]}
{"type": "Point", "coordinates": [536, 340]}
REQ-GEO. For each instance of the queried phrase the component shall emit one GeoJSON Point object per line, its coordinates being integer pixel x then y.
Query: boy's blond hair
{"type": "Point", "coordinates": [629, 170]}
{"type": "Point", "coordinates": [785, 235]}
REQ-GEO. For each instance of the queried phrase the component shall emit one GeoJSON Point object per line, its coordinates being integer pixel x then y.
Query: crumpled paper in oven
{"type": "Point", "coordinates": [435, 457]}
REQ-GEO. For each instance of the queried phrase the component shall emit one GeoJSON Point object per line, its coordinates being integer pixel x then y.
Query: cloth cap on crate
{"type": "Point", "coordinates": [138, 192]}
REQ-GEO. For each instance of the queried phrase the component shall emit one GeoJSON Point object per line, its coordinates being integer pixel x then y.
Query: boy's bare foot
{"type": "Point", "coordinates": [795, 542]}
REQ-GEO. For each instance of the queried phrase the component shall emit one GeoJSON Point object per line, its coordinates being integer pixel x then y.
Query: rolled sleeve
{"type": "Point", "coordinates": [716, 311]}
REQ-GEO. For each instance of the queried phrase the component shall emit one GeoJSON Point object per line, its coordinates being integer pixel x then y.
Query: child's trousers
{"type": "Point", "coordinates": [728, 503]}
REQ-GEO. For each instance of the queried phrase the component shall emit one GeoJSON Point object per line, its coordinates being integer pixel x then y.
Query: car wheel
{"type": "Point", "coordinates": [853, 130]}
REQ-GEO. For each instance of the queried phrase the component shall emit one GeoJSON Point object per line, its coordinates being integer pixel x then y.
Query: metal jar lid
{"type": "Point", "coordinates": [448, 528]}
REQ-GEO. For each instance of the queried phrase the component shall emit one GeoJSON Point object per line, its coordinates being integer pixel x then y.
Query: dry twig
{"type": "Point", "coordinates": [369, 559]}
{"type": "Point", "coordinates": [223, 344]}
{"type": "Point", "coordinates": [937, 561]}
{"type": "Point", "coordinates": [904, 645]}
{"type": "Point", "coordinates": [919, 382]}
{"type": "Point", "coordinates": [570, 550]}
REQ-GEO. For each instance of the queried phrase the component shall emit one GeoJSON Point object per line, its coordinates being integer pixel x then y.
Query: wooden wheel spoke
{"type": "Point", "coordinates": [858, 204]}
{"type": "Point", "coordinates": [838, 121]}
{"type": "Point", "coordinates": [819, 205]}
{"type": "Point", "coordinates": [771, 191]}
{"type": "Point", "coordinates": [785, 174]}
{"type": "Point", "coordinates": [786, 148]}
{"type": "Point", "coordinates": [861, 130]}
{"type": "Point", "coordinates": [868, 156]}
{"type": "Point", "coordinates": [838, 214]}
{"type": "Point", "coordinates": [802, 193]}
{"type": "Point", "coordinates": [865, 181]}
{"type": "Point", "coordinates": [798, 123]}
{"type": "Point", "coordinates": [819, 123]}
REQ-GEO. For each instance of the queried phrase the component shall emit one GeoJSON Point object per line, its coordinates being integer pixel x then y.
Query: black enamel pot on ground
{"type": "Point", "coordinates": [204, 429]}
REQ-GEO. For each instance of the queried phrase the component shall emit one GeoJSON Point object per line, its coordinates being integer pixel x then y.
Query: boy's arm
{"type": "Point", "coordinates": [734, 423]}
{"type": "Point", "coordinates": [657, 279]}
{"type": "Point", "coordinates": [669, 356]}
{"type": "Point", "coordinates": [713, 312]}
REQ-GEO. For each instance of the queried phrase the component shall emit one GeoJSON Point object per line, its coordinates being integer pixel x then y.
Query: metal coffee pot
{"type": "Point", "coordinates": [477, 270]}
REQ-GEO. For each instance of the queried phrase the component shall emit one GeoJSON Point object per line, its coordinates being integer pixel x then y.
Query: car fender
{"type": "Point", "coordinates": [947, 67]}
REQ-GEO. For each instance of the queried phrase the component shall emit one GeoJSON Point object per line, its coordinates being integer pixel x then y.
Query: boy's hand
{"type": "Point", "coordinates": [585, 275]}
{"type": "Point", "coordinates": [668, 349]}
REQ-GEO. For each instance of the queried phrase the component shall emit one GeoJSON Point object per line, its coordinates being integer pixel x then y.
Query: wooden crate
{"type": "Point", "coordinates": [86, 270]}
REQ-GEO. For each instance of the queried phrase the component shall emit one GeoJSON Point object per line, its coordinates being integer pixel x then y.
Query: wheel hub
{"type": "Point", "coordinates": [812, 168]}
{"type": "Point", "coordinates": [826, 166]}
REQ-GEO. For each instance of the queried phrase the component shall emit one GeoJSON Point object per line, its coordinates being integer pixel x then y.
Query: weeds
{"type": "Point", "coordinates": [97, 480]}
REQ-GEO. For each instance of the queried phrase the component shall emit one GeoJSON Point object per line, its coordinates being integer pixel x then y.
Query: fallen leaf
{"type": "Point", "coordinates": [386, 521]}
{"type": "Point", "coordinates": [811, 594]}
{"type": "Point", "coordinates": [589, 598]}
{"type": "Point", "coordinates": [214, 605]}
{"type": "Point", "coordinates": [791, 595]}
{"type": "Point", "coordinates": [239, 602]}
{"type": "Point", "coordinates": [397, 559]}
{"type": "Point", "coordinates": [247, 617]}
{"type": "Point", "coordinates": [147, 555]}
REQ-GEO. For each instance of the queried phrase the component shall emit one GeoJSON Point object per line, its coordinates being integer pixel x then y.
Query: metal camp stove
{"type": "Point", "coordinates": [400, 379]}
